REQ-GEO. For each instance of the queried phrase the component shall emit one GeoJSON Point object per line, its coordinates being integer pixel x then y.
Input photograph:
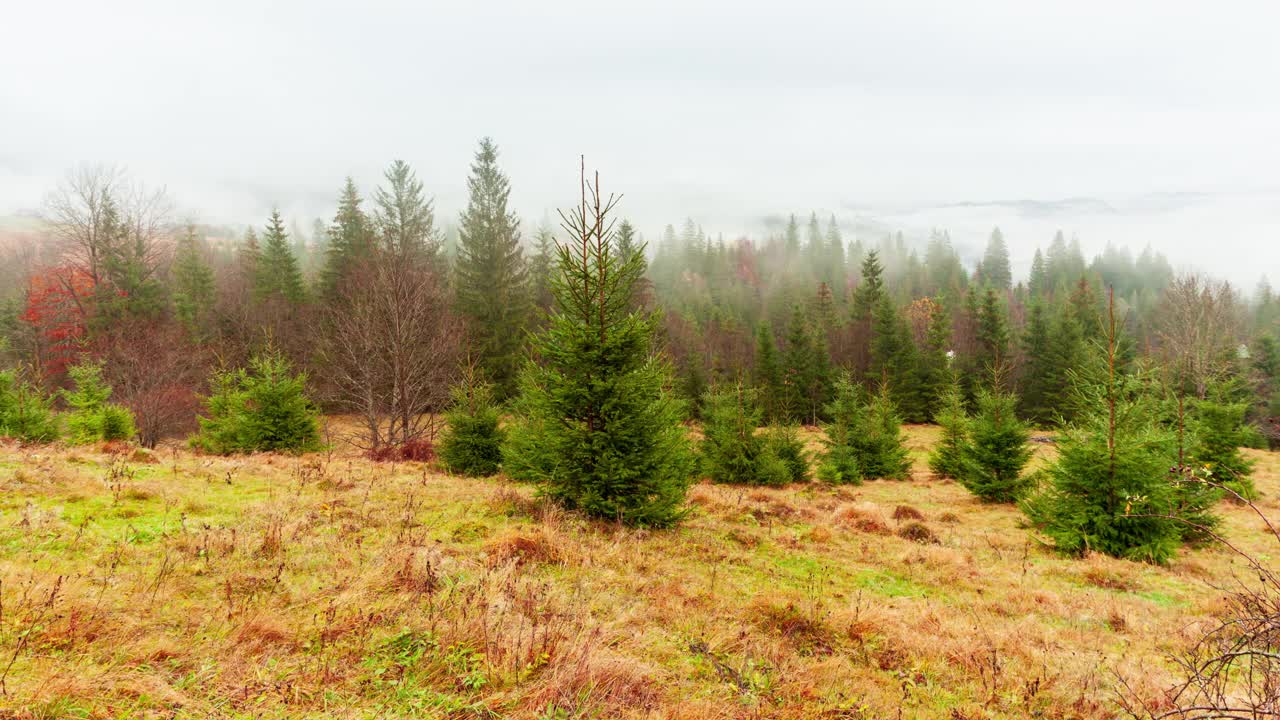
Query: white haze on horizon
{"type": "Point", "coordinates": [913, 114]}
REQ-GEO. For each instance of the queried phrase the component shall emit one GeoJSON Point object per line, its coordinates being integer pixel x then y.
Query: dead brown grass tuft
{"type": "Point", "coordinates": [949, 518]}
{"type": "Point", "coordinates": [597, 684]}
{"type": "Point", "coordinates": [262, 633]}
{"type": "Point", "coordinates": [864, 517]}
{"type": "Point", "coordinates": [818, 534]}
{"type": "Point", "coordinates": [917, 532]}
{"type": "Point", "coordinates": [522, 547]}
{"type": "Point", "coordinates": [800, 622]}
{"type": "Point", "coordinates": [1108, 573]}
{"type": "Point", "coordinates": [906, 512]}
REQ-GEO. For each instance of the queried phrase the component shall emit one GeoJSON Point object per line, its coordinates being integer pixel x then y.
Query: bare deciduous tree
{"type": "Point", "coordinates": [154, 370]}
{"type": "Point", "coordinates": [391, 350]}
{"type": "Point", "coordinates": [1197, 326]}
{"type": "Point", "coordinates": [97, 212]}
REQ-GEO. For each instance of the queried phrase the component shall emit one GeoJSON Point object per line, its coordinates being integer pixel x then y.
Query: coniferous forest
{"type": "Point", "coordinates": [618, 373]}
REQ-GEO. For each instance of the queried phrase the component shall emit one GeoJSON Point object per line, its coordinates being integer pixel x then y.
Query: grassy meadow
{"type": "Point", "coordinates": [177, 585]}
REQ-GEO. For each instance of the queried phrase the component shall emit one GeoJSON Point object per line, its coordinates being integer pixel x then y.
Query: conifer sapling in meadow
{"type": "Point", "coordinates": [262, 408]}
{"type": "Point", "coordinates": [732, 449]}
{"type": "Point", "coordinates": [864, 438]}
{"type": "Point", "coordinates": [91, 418]}
{"type": "Point", "coordinates": [472, 444]}
{"type": "Point", "coordinates": [950, 456]}
{"type": "Point", "coordinates": [997, 449]}
{"type": "Point", "coordinates": [1109, 490]}
{"type": "Point", "coordinates": [1220, 432]}
{"type": "Point", "coordinates": [598, 426]}
{"type": "Point", "coordinates": [25, 412]}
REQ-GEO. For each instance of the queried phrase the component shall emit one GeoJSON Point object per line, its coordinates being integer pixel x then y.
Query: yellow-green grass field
{"type": "Point", "coordinates": [179, 585]}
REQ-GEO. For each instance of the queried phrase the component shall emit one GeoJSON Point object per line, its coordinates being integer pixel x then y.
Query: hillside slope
{"type": "Point", "coordinates": [181, 585]}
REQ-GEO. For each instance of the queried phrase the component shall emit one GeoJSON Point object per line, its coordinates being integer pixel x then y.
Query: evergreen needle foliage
{"type": "Point", "coordinates": [789, 447]}
{"type": "Point", "coordinates": [732, 450]}
{"type": "Point", "coordinates": [864, 437]}
{"type": "Point", "coordinates": [264, 408]}
{"type": "Point", "coordinates": [25, 412]}
{"type": "Point", "coordinates": [950, 457]}
{"type": "Point", "coordinates": [472, 445]}
{"type": "Point", "coordinates": [997, 451]}
{"type": "Point", "coordinates": [92, 418]}
{"type": "Point", "coordinates": [1220, 431]}
{"type": "Point", "coordinates": [598, 426]}
{"type": "Point", "coordinates": [1110, 488]}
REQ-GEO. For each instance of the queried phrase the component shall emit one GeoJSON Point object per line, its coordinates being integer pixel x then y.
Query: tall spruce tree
{"type": "Point", "coordinates": [1036, 402]}
{"type": "Point", "coordinates": [278, 276]}
{"type": "Point", "coordinates": [492, 279]}
{"type": "Point", "coordinates": [799, 368]}
{"type": "Point", "coordinates": [404, 218]}
{"type": "Point", "coordinates": [542, 268]}
{"type": "Point", "coordinates": [597, 427]}
{"type": "Point", "coordinates": [932, 368]}
{"type": "Point", "coordinates": [995, 262]}
{"type": "Point", "coordinates": [949, 458]}
{"type": "Point", "coordinates": [867, 297]}
{"type": "Point", "coordinates": [768, 375]}
{"type": "Point", "coordinates": [992, 333]}
{"type": "Point", "coordinates": [193, 285]}
{"type": "Point", "coordinates": [837, 269]}
{"type": "Point", "coordinates": [349, 242]}
{"type": "Point", "coordinates": [1038, 284]}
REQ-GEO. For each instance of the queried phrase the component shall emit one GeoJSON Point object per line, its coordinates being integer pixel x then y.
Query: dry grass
{"type": "Point", "coordinates": [186, 586]}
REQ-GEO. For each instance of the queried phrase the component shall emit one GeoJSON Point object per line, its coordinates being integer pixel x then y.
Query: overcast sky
{"type": "Point", "coordinates": [725, 111]}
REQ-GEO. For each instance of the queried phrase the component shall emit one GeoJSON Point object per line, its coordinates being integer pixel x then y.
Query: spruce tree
{"type": "Point", "coordinates": [1220, 431]}
{"type": "Point", "coordinates": [870, 291]}
{"type": "Point", "coordinates": [350, 242]}
{"type": "Point", "coordinates": [950, 457]}
{"type": "Point", "coordinates": [798, 368]}
{"type": "Point", "coordinates": [995, 262]}
{"type": "Point", "coordinates": [1109, 489]}
{"type": "Point", "coordinates": [91, 418]}
{"type": "Point", "coordinates": [1037, 370]}
{"type": "Point", "coordinates": [992, 333]}
{"type": "Point", "coordinates": [248, 259]}
{"type": "Point", "coordinates": [732, 449]}
{"type": "Point", "coordinates": [1038, 284]}
{"type": "Point", "coordinates": [541, 268]}
{"type": "Point", "coordinates": [768, 375]}
{"type": "Point", "coordinates": [792, 242]}
{"type": "Point", "coordinates": [863, 436]}
{"type": "Point", "coordinates": [932, 368]}
{"type": "Point", "coordinates": [997, 449]}
{"type": "Point", "coordinates": [404, 218]}
{"type": "Point", "coordinates": [1066, 354]}
{"type": "Point", "coordinates": [597, 426]}
{"type": "Point", "coordinates": [193, 285]}
{"type": "Point", "coordinates": [836, 262]}
{"type": "Point", "coordinates": [262, 408]}
{"type": "Point", "coordinates": [879, 445]}
{"type": "Point", "coordinates": [25, 412]}
{"type": "Point", "coordinates": [472, 444]}
{"type": "Point", "coordinates": [838, 464]}
{"type": "Point", "coordinates": [278, 276]}
{"type": "Point", "coordinates": [492, 279]}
